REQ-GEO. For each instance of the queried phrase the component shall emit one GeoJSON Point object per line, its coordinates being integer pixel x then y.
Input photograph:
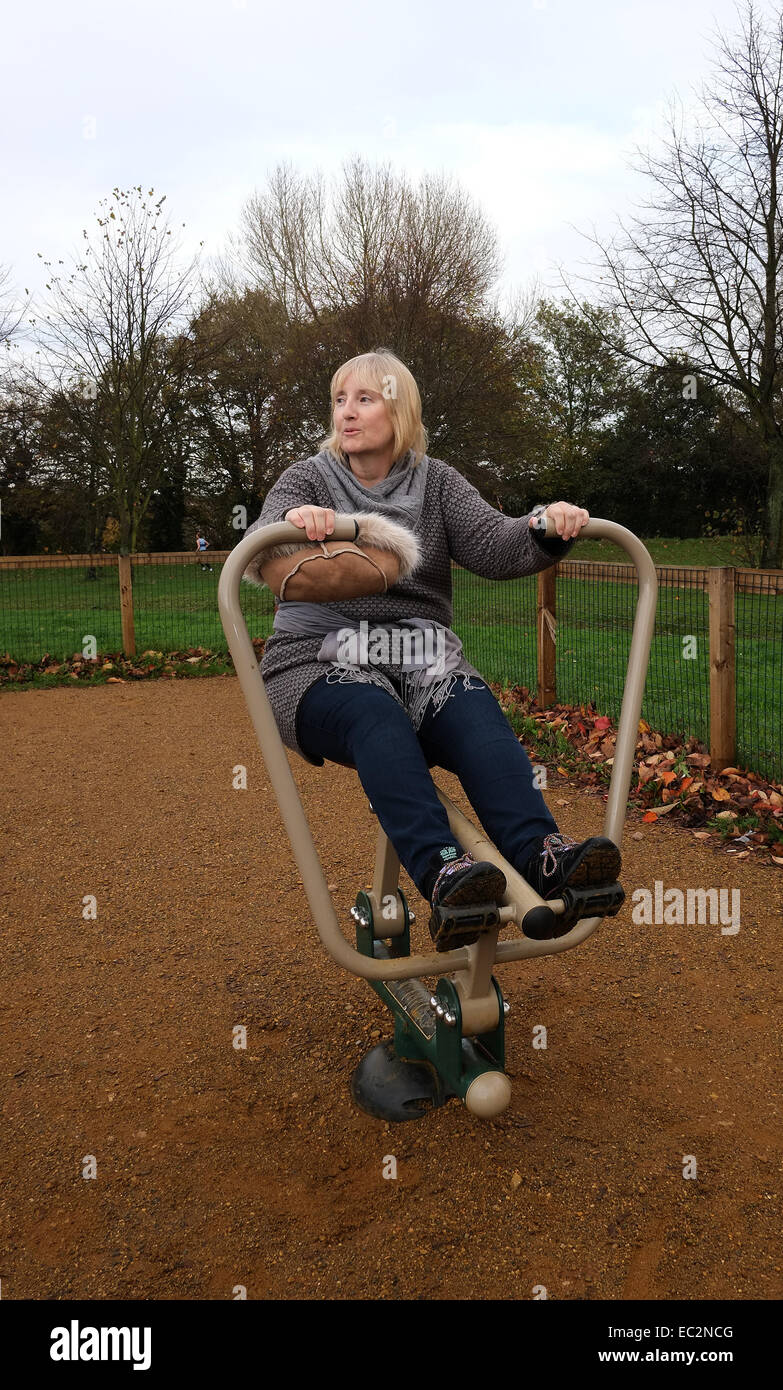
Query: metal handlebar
{"type": "Point", "coordinates": [280, 775]}
{"type": "Point", "coordinates": [638, 658]}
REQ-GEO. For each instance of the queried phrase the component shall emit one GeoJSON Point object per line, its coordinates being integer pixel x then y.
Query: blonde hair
{"type": "Point", "coordinates": [383, 371]}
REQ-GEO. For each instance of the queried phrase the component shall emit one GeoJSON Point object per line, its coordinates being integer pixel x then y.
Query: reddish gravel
{"type": "Point", "coordinates": [218, 1167]}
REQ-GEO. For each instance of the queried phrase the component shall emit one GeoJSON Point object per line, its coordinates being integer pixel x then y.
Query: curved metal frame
{"type": "Point", "coordinates": [520, 896]}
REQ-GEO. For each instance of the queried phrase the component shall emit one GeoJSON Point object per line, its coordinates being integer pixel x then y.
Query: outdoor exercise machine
{"type": "Point", "coordinates": [448, 1041]}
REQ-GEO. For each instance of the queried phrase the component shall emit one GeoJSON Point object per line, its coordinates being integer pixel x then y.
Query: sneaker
{"type": "Point", "coordinates": [559, 860]}
{"type": "Point", "coordinates": [462, 883]}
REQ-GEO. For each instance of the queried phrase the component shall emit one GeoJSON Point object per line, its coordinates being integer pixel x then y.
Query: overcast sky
{"type": "Point", "coordinates": [534, 105]}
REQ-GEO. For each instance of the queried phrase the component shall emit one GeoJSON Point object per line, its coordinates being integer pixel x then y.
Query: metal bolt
{"type": "Point", "coordinates": [506, 1007]}
{"type": "Point", "coordinates": [450, 1019]}
{"type": "Point", "coordinates": [433, 1001]}
{"type": "Point", "coordinates": [440, 1011]}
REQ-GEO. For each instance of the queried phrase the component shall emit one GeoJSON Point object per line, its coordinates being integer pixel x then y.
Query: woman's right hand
{"type": "Point", "coordinates": [318, 521]}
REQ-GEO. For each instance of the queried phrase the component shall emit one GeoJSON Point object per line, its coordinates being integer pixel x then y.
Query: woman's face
{"type": "Point", "coordinates": [361, 419]}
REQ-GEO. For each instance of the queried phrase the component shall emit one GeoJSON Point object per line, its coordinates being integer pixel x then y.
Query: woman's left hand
{"type": "Point", "coordinates": [568, 519]}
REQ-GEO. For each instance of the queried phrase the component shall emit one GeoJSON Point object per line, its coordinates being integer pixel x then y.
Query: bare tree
{"type": "Point", "coordinates": [11, 314]}
{"type": "Point", "coordinates": [698, 274]}
{"type": "Point", "coordinates": [377, 239]}
{"type": "Point", "coordinates": [115, 337]}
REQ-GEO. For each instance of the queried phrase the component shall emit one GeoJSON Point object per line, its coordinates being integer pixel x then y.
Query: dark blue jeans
{"type": "Point", "coordinates": [361, 726]}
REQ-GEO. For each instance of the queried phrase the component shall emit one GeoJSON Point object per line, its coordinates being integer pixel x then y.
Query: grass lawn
{"type": "Point", "coordinates": [741, 552]}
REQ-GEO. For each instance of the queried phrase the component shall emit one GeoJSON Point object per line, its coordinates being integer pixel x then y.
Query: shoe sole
{"type": "Point", "coordinates": [598, 867]}
{"type": "Point", "coordinates": [487, 887]}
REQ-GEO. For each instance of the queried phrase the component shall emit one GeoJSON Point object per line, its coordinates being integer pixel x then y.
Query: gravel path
{"type": "Point", "coordinates": [217, 1167]}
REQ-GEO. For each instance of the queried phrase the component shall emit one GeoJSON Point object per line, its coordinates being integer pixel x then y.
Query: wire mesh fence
{"type": "Point", "coordinates": [758, 638]}
{"type": "Point", "coordinates": [49, 607]}
{"type": "Point", "coordinates": [54, 605]}
{"type": "Point", "coordinates": [595, 616]}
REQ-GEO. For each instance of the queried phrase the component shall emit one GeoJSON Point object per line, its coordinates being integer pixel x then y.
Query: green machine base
{"type": "Point", "coordinates": [428, 1062]}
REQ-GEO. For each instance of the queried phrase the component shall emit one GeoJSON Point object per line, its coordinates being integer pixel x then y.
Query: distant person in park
{"type": "Point", "coordinates": [201, 545]}
{"type": "Point", "coordinates": [388, 721]}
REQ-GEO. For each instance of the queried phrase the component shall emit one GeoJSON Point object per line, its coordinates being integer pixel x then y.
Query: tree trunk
{"type": "Point", "coordinates": [772, 541]}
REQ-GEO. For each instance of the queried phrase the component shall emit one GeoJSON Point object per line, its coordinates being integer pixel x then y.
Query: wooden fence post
{"type": "Point", "coordinates": [723, 724]}
{"type": "Point", "coordinates": [126, 606]}
{"type": "Point", "coordinates": [545, 624]}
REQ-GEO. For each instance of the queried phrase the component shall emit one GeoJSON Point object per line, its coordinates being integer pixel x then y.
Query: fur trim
{"type": "Point", "coordinates": [375, 530]}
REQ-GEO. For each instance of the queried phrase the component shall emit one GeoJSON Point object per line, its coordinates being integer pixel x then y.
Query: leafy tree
{"type": "Point", "coordinates": [581, 388]}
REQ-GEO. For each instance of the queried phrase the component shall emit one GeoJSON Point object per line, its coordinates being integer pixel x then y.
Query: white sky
{"type": "Point", "coordinates": [534, 105]}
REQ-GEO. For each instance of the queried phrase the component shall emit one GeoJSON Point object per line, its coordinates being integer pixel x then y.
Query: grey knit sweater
{"type": "Point", "coordinates": [455, 524]}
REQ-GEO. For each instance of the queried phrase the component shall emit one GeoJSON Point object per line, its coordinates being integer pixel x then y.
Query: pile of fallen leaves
{"type": "Point", "coordinates": [117, 669]}
{"type": "Point", "coordinates": [671, 774]}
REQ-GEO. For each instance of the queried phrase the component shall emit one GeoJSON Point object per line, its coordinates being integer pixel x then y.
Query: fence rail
{"type": "Point", "coordinates": [716, 667]}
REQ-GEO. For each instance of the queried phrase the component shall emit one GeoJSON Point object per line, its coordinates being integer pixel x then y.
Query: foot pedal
{"type": "Point", "coordinates": [542, 924]}
{"type": "Point", "coordinates": [589, 902]}
{"type": "Point", "coordinates": [461, 926]}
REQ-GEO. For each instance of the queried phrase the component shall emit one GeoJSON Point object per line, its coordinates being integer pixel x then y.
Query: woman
{"type": "Point", "coordinates": [393, 720]}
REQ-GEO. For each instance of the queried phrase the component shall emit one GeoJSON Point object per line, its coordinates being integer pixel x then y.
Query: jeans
{"type": "Point", "coordinates": [359, 725]}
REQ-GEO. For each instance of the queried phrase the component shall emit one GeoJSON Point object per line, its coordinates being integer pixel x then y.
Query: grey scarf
{"type": "Point", "coordinates": [356, 645]}
{"type": "Point", "coordinates": [427, 669]}
{"type": "Point", "coordinates": [400, 495]}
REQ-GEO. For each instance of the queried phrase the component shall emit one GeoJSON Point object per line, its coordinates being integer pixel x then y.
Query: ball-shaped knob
{"type": "Point", "coordinates": [488, 1095]}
